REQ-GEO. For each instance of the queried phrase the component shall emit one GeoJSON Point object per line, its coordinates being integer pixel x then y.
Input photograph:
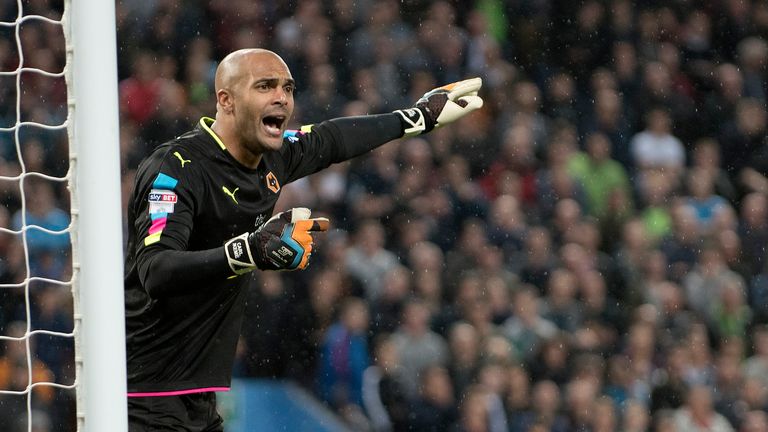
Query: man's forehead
{"type": "Point", "coordinates": [266, 65]}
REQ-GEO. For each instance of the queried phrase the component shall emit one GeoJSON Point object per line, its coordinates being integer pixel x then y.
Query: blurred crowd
{"type": "Point", "coordinates": [585, 253]}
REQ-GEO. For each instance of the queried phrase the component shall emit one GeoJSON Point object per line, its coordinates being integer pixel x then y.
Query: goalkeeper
{"type": "Point", "coordinates": [200, 219]}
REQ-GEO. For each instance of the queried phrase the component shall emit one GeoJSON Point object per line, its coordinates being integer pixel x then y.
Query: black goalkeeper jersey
{"type": "Point", "coordinates": [190, 194]}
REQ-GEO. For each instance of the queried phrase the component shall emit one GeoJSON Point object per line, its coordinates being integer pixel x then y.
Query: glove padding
{"type": "Point", "coordinates": [284, 242]}
{"type": "Point", "coordinates": [441, 106]}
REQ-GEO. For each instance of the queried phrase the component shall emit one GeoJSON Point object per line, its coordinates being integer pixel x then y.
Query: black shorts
{"type": "Point", "coordinates": [194, 412]}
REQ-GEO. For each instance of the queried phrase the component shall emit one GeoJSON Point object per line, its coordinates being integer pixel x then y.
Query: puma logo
{"type": "Point", "coordinates": [231, 193]}
{"type": "Point", "coordinates": [183, 161]}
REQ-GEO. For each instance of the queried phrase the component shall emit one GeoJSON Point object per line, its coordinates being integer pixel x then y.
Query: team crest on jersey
{"type": "Point", "coordinates": [272, 182]}
{"type": "Point", "coordinates": [161, 201]}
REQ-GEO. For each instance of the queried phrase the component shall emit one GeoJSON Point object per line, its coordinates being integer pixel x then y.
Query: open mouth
{"type": "Point", "coordinates": [274, 124]}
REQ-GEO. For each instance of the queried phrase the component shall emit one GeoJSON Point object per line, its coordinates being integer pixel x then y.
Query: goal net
{"type": "Point", "coordinates": [61, 314]}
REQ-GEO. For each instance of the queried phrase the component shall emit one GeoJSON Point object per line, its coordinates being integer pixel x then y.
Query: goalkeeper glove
{"type": "Point", "coordinates": [441, 106]}
{"type": "Point", "coordinates": [284, 242]}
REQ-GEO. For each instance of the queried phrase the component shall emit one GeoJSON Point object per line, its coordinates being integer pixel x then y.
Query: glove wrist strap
{"type": "Point", "coordinates": [239, 256]}
{"type": "Point", "coordinates": [414, 121]}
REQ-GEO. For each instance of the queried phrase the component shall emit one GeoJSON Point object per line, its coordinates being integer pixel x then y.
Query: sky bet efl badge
{"type": "Point", "coordinates": [161, 201]}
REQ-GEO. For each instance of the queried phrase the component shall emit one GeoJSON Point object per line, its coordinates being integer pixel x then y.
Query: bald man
{"type": "Point", "coordinates": [200, 221]}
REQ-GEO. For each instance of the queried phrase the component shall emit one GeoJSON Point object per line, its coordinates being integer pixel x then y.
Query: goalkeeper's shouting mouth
{"type": "Point", "coordinates": [197, 227]}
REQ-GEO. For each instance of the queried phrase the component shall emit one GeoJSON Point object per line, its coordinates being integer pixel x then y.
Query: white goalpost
{"type": "Point", "coordinates": [97, 243]}
{"type": "Point", "coordinates": [95, 229]}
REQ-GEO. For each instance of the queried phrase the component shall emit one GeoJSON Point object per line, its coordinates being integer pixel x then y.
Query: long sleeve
{"type": "Point", "coordinates": [167, 272]}
{"type": "Point", "coordinates": [358, 135]}
{"type": "Point", "coordinates": [337, 140]}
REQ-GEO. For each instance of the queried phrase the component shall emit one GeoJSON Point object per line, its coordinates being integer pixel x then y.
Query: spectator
{"type": "Point", "coordinates": [434, 410]}
{"type": "Point", "coordinates": [732, 315]}
{"type": "Point", "coordinates": [656, 148]}
{"type": "Point", "coordinates": [481, 411]}
{"type": "Point", "coordinates": [544, 411]}
{"type": "Point", "coordinates": [554, 360]}
{"type": "Point", "coordinates": [419, 347]}
{"type": "Point", "coordinates": [599, 174]}
{"type": "Point", "coordinates": [635, 418]}
{"type": "Point", "coordinates": [698, 414]}
{"type": "Point", "coordinates": [527, 328]}
{"type": "Point", "coordinates": [729, 383]}
{"type": "Point", "coordinates": [682, 245]}
{"type": "Point", "coordinates": [754, 397]}
{"type": "Point", "coordinates": [321, 101]}
{"type": "Point", "coordinates": [753, 57]}
{"type": "Point", "coordinates": [658, 93]}
{"type": "Point", "coordinates": [581, 394]}
{"type": "Point", "coordinates": [707, 279]}
{"type": "Point", "coordinates": [15, 375]}
{"type": "Point", "coordinates": [518, 389]}
{"type": "Point", "coordinates": [344, 357]}
{"type": "Point", "coordinates": [604, 417]}
{"type": "Point", "coordinates": [756, 365]}
{"type": "Point", "coordinates": [754, 421]}
{"type": "Point", "coordinates": [367, 260]}
{"type": "Point", "coordinates": [706, 156]}
{"type": "Point", "coordinates": [707, 206]}
{"type": "Point", "coordinates": [753, 229]}
{"type": "Point", "coordinates": [465, 356]}
{"type": "Point", "coordinates": [48, 252]}
{"type": "Point", "coordinates": [471, 244]}
{"type": "Point", "coordinates": [742, 142]}
{"type": "Point", "coordinates": [720, 105]}
{"type": "Point", "coordinates": [539, 260]}
{"type": "Point", "coordinates": [387, 309]}
{"type": "Point", "coordinates": [700, 370]}
{"type": "Point", "coordinates": [560, 304]}
{"type": "Point", "coordinates": [632, 254]}
{"type": "Point", "coordinates": [383, 397]}
{"type": "Point", "coordinates": [517, 155]}
{"type": "Point", "coordinates": [372, 181]}
{"type": "Point", "coordinates": [139, 92]}
{"type": "Point", "coordinates": [507, 226]}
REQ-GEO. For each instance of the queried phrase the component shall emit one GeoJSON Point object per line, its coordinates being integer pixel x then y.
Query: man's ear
{"type": "Point", "coordinates": [225, 100]}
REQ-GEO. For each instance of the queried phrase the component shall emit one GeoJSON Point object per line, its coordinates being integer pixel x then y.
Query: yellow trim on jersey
{"type": "Point", "coordinates": [306, 128]}
{"type": "Point", "coordinates": [204, 124]}
{"type": "Point", "coordinates": [152, 238]}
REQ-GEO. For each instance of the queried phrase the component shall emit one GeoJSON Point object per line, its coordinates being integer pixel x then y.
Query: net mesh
{"type": "Point", "coordinates": [38, 319]}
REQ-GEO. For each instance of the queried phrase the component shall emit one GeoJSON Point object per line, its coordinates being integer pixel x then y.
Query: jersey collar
{"type": "Point", "coordinates": [205, 123]}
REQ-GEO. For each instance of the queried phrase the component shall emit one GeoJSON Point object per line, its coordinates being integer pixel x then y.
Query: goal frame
{"type": "Point", "coordinates": [90, 31]}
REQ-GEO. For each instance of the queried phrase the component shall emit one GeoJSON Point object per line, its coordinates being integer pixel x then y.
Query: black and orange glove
{"type": "Point", "coordinates": [441, 106]}
{"type": "Point", "coordinates": [284, 242]}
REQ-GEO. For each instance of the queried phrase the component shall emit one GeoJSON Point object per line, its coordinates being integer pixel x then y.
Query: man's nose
{"type": "Point", "coordinates": [281, 96]}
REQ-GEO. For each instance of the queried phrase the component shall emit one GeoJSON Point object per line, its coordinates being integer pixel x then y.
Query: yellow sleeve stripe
{"type": "Point", "coordinates": [307, 128]}
{"type": "Point", "coordinates": [152, 238]}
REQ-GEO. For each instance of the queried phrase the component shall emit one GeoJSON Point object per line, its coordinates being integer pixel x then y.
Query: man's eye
{"type": "Point", "coordinates": [289, 89]}
{"type": "Point", "coordinates": [262, 86]}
